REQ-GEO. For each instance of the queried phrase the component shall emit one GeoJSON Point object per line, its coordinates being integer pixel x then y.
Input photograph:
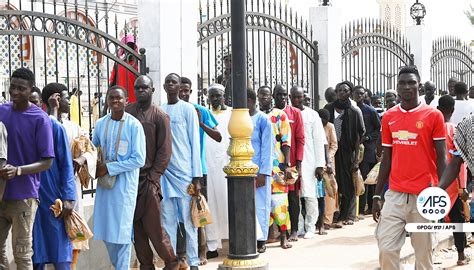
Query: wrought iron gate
{"type": "Point", "coordinates": [280, 49]}
{"type": "Point", "coordinates": [451, 58]}
{"type": "Point", "coordinates": [63, 43]}
{"type": "Point", "coordinates": [372, 52]}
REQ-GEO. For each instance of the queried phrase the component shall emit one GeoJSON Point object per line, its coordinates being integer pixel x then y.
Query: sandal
{"type": "Point", "coordinates": [338, 225]}
{"type": "Point", "coordinates": [348, 222]}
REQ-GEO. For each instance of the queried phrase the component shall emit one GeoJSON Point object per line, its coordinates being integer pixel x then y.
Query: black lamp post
{"type": "Point", "coordinates": [241, 171]}
{"type": "Point", "coordinates": [418, 12]}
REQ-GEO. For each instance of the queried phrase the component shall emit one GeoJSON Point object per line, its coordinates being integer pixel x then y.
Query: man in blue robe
{"type": "Point", "coordinates": [183, 169]}
{"type": "Point", "coordinates": [51, 244]}
{"type": "Point", "coordinates": [263, 153]}
{"type": "Point", "coordinates": [122, 138]}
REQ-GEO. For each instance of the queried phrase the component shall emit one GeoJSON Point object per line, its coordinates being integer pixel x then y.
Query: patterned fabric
{"type": "Point", "coordinates": [282, 134]}
{"type": "Point", "coordinates": [280, 214]}
{"type": "Point", "coordinates": [338, 125]}
{"type": "Point", "coordinates": [464, 141]}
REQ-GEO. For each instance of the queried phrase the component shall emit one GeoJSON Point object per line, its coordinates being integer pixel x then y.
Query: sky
{"type": "Point", "coordinates": [444, 17]}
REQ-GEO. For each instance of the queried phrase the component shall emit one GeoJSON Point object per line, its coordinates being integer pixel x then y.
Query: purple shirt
{"type": "Point", "coordinates": [29, 139]}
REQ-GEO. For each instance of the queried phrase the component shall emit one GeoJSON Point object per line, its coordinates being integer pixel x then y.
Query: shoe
{"type": "Point", "coordinates": [308, 235]}
{"type": "Point", "coordinates": [212, 254]}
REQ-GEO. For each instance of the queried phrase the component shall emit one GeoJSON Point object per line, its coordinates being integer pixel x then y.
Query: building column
{"type": "Point", "coordinates": [167, 30]}
{"type": "Point", "coordinates": [326, 23]}
{"type": "Point", "coordinates": [420, 39]}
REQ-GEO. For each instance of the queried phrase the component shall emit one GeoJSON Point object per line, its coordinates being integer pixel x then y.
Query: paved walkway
{"type": "Point", "coordinates": [353, 247]}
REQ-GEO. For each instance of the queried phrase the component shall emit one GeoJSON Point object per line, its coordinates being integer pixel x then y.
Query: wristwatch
{"type": "Point", "coordinates": [18, 171]}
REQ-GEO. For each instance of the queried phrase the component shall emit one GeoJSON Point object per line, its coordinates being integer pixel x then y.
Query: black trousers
{"type": "Point", "coordinates": [321, 206]}
{"type": "Point", "coordinates": [457, 216]}
{"type": "Point", "coordinates": [294, 209]}
{"type": "Point", "coordinates": [366, 198]}
{"type": "Point", "coordinates": [181, 237]}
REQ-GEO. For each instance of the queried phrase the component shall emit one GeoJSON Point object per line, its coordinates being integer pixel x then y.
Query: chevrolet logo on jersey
{"type": "Point", "coordinates": [404, 135]}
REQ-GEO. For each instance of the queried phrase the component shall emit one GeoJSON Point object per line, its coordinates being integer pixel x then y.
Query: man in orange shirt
{"type": "Point", "coordinates": [457, 190]}
{"type": "Point", "coordinates": [414, 157]}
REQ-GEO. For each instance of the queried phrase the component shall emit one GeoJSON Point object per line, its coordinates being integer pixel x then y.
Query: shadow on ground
{"type": "Point", "coordinates": [361, 240]}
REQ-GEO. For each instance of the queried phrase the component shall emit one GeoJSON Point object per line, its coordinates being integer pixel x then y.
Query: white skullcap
{"type": "Point", "coordinates": [216, 86]}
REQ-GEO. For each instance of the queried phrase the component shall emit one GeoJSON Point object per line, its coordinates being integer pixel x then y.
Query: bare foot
{"type": "Point", "coordinates": [293, 237]}
{"type": "Point", "coordinates": [284, 242]}
{"type": "Point", "coordinates": [322, 231]}
{"type": "Point", "coordinates": [462, 259]}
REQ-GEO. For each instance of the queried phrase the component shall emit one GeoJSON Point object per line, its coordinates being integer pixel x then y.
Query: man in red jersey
{"type": "Point", "coordinates": [414, 157]}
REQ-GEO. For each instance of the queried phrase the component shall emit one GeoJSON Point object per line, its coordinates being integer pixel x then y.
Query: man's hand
{"type": "Point", "coordinates": [78, 162]}
{"type": "Point", "coordinates": [288, 174]}
{"type": "Point", "coordinates": [463, 194]}
{"type": "Point", "coordinates": [355, 166]}
{"type": "Point", "coordinates": [197, 186]}
{"type": "Point", "coordinates": [8, 172]}
{"type": "Point", "coordinates": [53, 101]}
{"type": "Point", "coordinates": [101, 170]}
{"type": "Point", "coordinates": [199, 116]}
{"type": "Point", "coordinates": [329, 169]}
{"type": "Point", "coordinates": [260, 180]}
{"type": "Point", "coordinates": [68, 206]}
{"type": "Point", "coordinates": [376, 208]}
{"type": "Point", "coordinates": [319, 172]}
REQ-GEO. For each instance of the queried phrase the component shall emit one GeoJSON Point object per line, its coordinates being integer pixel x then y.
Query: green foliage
{"type": "Point", "coordinates": [470, 14]}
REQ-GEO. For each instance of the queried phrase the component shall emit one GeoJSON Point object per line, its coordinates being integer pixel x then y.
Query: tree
{"type": "Point", "coordinates": [470, 14]}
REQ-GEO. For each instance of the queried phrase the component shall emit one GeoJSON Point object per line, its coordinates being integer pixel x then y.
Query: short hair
{"type": "Point", "coordinates": [35, 89]}
{"type": "Point", "coordinates": [446, 103]}
{"type": "Point", "coordinates": [251, 94]}
{"type": "Point", "coordinates": [25, 74]}
{"type": "Point", "coordinates": [265, 87]}
{"type": "Point", "coordinates": [186, 80]}
{"type": "Point", "coordinates": [348, 83]}
{"type": "Point", "coordinates": [117, 87]}
{"type": "Point", "coordinates": [375, 97]}
{"type": "Point", "coordinates": [324, 114]}
{"type": "Point", "coordinates": [453, 79]}
{"type": "Point", "coordinates": [359, 87]}
{"type": "Point", "coordinates": [279, 87]}
{"type": "Point", "coordinates": [50, 89]}
{"type": "Point", "coordinates": [460, 88]}
{"type": "Point", "coordinates": [410, 70]}
{"type": "Point", "coordinates": [174, 74]}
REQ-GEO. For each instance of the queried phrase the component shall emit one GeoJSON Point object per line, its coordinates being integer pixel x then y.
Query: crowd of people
{"type": "Point", "coordinates": [150, 161]}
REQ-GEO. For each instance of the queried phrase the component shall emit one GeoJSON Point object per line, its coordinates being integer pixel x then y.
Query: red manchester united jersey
{"type": "Point", "coordinates": [411, 134]}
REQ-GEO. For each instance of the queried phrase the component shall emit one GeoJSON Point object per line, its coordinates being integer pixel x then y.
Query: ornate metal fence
{"type": "Point", "coordinates": [63, 42]}
{"type": "Point", "coordinates": [280, 48]}
{"type": "Point", "coordinates": [372, 52]}
{"type": "Point", "coordinates": [451, 58]}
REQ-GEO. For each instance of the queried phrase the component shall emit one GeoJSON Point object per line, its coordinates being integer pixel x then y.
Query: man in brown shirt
{"type": "Point", "coordinates": [147, 221]}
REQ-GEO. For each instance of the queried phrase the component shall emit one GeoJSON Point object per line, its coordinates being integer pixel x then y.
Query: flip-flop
{"type": "Point", "coordinates": [348, 222]}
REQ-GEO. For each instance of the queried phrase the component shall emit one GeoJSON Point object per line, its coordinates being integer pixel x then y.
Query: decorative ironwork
{"type": "Point", "coordinates": [280, 49]}
{"type": "Point", "coordinates": [372, 52]}
{"type": "Point", "coordinates": [451, 58]}
{"type": "Point", "coordinates": [418, 12]}
{"type": "Point", "coordinates": [62, 42]}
